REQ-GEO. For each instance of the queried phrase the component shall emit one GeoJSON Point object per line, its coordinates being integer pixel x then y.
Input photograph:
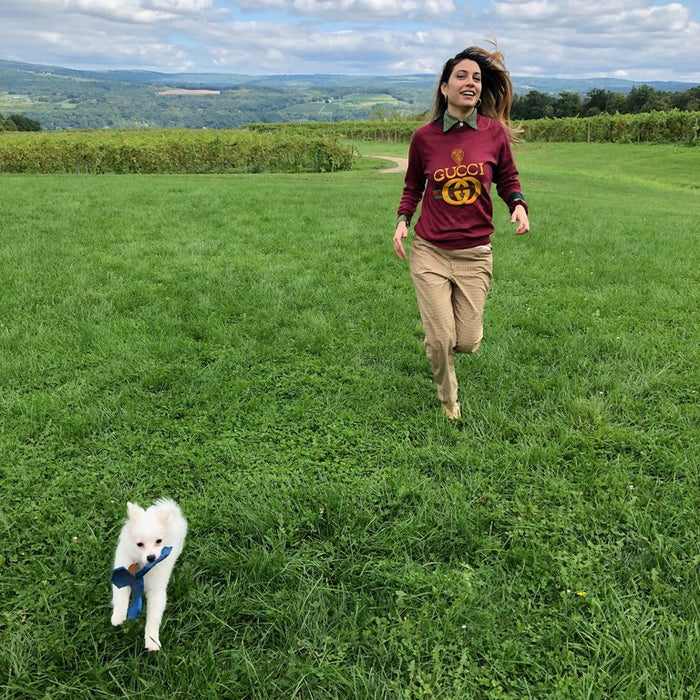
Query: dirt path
{"type": "Point", "coordinates": [400, 167]}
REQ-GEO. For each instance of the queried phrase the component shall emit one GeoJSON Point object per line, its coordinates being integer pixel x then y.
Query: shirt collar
{"type": "Point", "coordinates": [448, 121]}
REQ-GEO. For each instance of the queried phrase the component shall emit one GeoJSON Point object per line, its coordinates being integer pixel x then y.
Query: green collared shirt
{"type": "Point", "coordinates": [448, 121]}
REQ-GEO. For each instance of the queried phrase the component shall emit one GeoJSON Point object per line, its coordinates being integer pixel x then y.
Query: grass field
{"type": "Point", "coordinates": [250, 346]}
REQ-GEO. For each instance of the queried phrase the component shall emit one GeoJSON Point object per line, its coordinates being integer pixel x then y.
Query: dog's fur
{"type": "Point", "coordinates": [141, 540]}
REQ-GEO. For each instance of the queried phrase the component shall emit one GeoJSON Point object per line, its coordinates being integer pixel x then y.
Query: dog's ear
{"type": "Point", "coordinates": [167, 510]}
{"type": "Point", "coordinates": [133, 510]}
{"type": "Point", "coordinates": [166, 516]}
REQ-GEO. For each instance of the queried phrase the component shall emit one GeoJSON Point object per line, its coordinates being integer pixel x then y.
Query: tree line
{"type": "Point", "coordinates": [533, 105]}
{"type": "Point", "coordinates": [639, 100]}
{"type": "Point", "coordinates": [18, 122]}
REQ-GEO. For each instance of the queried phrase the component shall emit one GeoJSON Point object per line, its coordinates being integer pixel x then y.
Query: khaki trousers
{"type": "Point", "coordinates": [451, 288]}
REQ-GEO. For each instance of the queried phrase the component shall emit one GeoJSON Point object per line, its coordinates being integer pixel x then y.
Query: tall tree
{"type": "Point", "coordinates": [25, 123]}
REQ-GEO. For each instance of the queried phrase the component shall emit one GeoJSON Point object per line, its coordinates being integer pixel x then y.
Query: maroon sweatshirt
{"type": "Point", "coordinates": [459, 165]}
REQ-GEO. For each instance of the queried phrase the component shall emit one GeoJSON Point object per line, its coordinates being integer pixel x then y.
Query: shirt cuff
{"type": "Point", "coordinates": [515, 199]}
{"type": "Point", "coordinates": [403, 218]}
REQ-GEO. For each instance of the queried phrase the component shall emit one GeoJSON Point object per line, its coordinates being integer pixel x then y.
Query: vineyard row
{"type": "Point", "coordinates": [170, 151]}
{"type": "Point", "coordinates": [289, 147]}
{"type": "Point", "coordinates": [673, 126]}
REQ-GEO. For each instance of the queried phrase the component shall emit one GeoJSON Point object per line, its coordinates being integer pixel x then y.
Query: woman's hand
{"type": "Point", "coordinates": [401, 233]}
{"type": "Point", "coordinates": [519, 216]}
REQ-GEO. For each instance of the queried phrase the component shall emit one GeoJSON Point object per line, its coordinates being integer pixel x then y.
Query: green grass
{"type": "Point", "coordinates": [249, 346]}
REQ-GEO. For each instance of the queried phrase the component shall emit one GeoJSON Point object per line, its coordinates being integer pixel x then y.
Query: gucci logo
{"type": "Point", "coordinates": [461, 190]}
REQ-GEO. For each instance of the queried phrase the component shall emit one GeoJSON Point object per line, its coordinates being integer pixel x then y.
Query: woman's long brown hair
{"type": "Point", "coordinates": [496, 88]}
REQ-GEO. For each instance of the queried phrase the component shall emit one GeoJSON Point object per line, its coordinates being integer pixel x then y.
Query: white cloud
{"type": "Point", "coordinates": [645, 41]}
{"type": "Point", "coordinates": [250, 5]}
{"type": "Point", "coordinates": [179, 6]}
{"type": "Point", "coordinates": [370, 10]}
{"type": "Point", "coordinates": [137, 11]}
{"type": "Point", "coordinates": [637, 38]}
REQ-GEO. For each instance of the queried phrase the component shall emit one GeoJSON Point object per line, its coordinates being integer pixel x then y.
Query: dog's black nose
{"type": "Point", "coordinates": [151, 557]}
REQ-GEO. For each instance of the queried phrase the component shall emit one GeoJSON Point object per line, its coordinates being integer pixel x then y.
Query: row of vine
{"type": "Point", "coordinates": [171, 151]}
{"type": "Point", "coordinates": [290, 147]}
{"type": "Point", "coordinates": [673, 126]}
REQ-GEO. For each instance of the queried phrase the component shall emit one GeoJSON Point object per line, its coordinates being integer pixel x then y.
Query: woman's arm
{"type": "Point", "coordinates": [509, 189]}
{"type": "Point", "coordinates": [414, 185]}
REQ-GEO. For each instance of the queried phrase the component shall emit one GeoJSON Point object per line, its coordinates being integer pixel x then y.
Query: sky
{"type": "Point", "coordinates": [641, 40]}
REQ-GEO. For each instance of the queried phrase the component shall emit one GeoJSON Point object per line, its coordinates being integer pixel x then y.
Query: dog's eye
{"type": "Point", "coordinates": [158, 541]}
{"type": "Point", "coordinates": [139, 544]}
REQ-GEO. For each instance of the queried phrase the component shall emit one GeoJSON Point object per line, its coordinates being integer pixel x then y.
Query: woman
{"type": "Point", "coordinates": [452, 162]}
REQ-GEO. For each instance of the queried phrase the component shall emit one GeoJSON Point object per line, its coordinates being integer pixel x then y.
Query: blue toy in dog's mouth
{"type": "Point", "coordinates": [122, 577]}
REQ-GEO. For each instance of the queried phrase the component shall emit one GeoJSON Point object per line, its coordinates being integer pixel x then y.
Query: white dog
{"type": "Point", "coordinates": [142, 541]}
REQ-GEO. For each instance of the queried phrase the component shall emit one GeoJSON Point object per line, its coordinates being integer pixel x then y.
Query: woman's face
{"type": "Point", "coordinates": [463, 89]}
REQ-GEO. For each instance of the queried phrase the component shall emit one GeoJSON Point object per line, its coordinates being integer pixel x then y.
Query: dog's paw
{"type": "Point", "coordinates": [152, 643]}
{"type": "Point", "coordinates": [118, 618]}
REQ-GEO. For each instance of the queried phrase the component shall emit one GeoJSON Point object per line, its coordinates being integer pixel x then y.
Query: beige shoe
{"type": "Point", "coordinates": [452, 411]}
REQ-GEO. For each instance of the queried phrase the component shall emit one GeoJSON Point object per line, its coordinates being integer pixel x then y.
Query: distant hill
{"type": "Point", "coordinates": [555, 86]}
{"type": "Point", "coordinates": [65, 98]}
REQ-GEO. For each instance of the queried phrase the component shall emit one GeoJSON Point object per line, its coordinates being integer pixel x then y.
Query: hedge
{"type": "Point", "coordinates": [673, 126]}
{"type": "Point", "coordinates": [169, 151]}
